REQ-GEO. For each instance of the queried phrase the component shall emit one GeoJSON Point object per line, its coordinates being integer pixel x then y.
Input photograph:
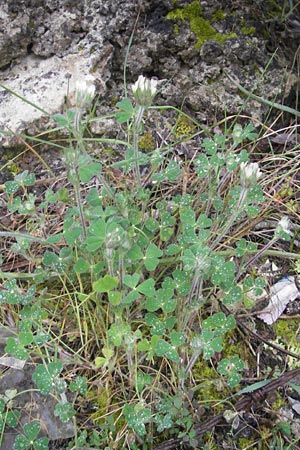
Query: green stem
{"type": "Point", "coordinates": [76, 186]}
{"type": "Point", "coordinates": [136, 129]}
{"type": "Point", "coordinates": [232, 219]}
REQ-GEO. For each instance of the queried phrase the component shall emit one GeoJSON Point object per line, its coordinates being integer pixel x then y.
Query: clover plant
{"type": "Point", "coordinates": [139, 270]}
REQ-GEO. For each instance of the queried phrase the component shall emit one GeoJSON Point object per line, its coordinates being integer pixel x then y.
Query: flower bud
{"type": "Point", "coordinates": [249, 173]}
{"type": "Point", "coordinates": [283, 228]}
{"type": "Point", "coordinates": [144, 90]}
{"type": "Point", "coordinates": [84, 93]}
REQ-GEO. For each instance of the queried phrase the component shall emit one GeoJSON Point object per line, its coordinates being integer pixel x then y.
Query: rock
{"type": "Point", "coordinates": [14, 35]}
{"type": "Point", "coordinates": [42, 43]}
{"type": "Point", "coordinates": [43, 82]}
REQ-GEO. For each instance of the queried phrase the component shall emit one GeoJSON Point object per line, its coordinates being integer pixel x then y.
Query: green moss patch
{"type": "Point", "coordinates": [200, 26]}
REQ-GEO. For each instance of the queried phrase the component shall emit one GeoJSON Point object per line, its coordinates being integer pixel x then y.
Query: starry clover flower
{"type": "Point", "coordinates": [84, 93]}
{"type": "Point", "coordinates": [283, 229]}
{"type": "Point", "coordinates": [144, 90]}
{"type": "Point", "coordinates": [249, 173]}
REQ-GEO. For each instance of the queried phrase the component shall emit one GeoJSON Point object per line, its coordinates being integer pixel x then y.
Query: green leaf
{"type": "Point", "coordinates": [173, 171]}
{"type": "Point", "coordinates": [13, 418]}
{"type": "Point", "coordinates": [105, 284]}
{"type": "Point", "coordinates": [25, 178]}
{"type": "Point", "coordinates": [187, 217]}
{"type": "Point", "coordinates": [79, 385]}
{"type": "Point", "coordinates": [130, 298]}
{"type": "Point", "coordinates": [223, 274]}
{"type": "Point", "coordinates": [32, 430]}
{"type": "Point", "coordinates": [172, 250]}
{"type": "Point", "coordinates": [143, 379]}
{"type": "Point", "coordinates": [234, 379]}
{"type": "Point", "coordinates": [51, 259]}
{"type": "Point", "coordinates": [153, 251]}
{"type": "Point", "coordinates": [151, 260]}
{"type": "Point", "coordinates": [117, 332]}
{"type": "Point", "coordinates": [131, 281]}
{"type": "Point", "coordinates": [61, 120]}
{"type": "Point", "coordinates": [152, 304]}
{"type": "Point", "coordinates": [143, 345]}
{"type": "Point", "coordinates": [295, 387]}
{"type": "Point", "coordinates": [157, 327]}
{"type": "Point", "coordinates": [210, 146]}
{"type": "Point", "coordinates": [125, 110]}
{"type": "Point", "coordinates": [136, 416]}
{"type": "Point", "coordinates": [72, 234]}
{"type": "Point", "coordinates": [203, 221]}
{"type": "Point", "coordinates": [21, 443]}
{"type": "Point", "coordinates": [177, 338]}
{"type": "Point", "coordinates": [25, 337]}
{"type": "Point", "coordinates": [93, 198]}
{"type": "Point", "coordinates": [14, 295]}
{"type": "Point", "coordinates": [88, 171]}
{"type": "Point", "coordinates": [165, 234]}
{"type": "Point", "coordinates": [147, 287]}
{"type": "Point", "coordinates": [45, 377]}
{"type": "Point", "coordinates": [15, 349]}
{"type": "Point", "coordinates": [96, 235]}
{"type": "Point", "coordinates": [41, 444]}
{"type": "Point", "coordinates": [253, 387]}
{"type": "Point", "coordinates": [215, 345]}
{"type": "Point", "coordinates": [81, 265]}
{"type": "Point", "coordinates": [151, 224]}
{"type": "Point", "coordinates": [219, 322]}
{"type": "Point", "coordinates": [114, 298]}
{"type": "Point", "coordinates": [182, 281]}
{"type": "Point", "coordinates": [11, 187]}
{"type": "Point", "coordinates": [170, 322]}
{"type": "Point", "coordinates": [284, 428]}
{"type": "Point", "coordinates": [202, 166]}
{"type": "Point", "coordinates": [54, 239]}
{"type": "Point", "coordinates": [163, 348]}
{"type": "Point", "coordinates": [234, 295]}
{"type": "Point", "coordinates": [230, 367]}
{"type": "Point", "coordinates": [64, 410]}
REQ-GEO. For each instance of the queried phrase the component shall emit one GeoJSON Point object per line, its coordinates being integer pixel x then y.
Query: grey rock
{"type": "Point", "coordinates": [42, 42]}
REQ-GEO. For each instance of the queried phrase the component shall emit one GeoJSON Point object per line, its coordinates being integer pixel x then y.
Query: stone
{"type": "Point", "coordinates": [46, 46]}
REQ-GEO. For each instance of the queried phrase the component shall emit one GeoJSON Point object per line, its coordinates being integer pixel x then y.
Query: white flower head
{"type": "Point", "coordinates": [283, 228]}
{"type": "Point", "coordinates": [144, 90]}
{"type": "Point", "coordinates": [84, 92]}
{"type": "Point", "coordinates": [250, 173]}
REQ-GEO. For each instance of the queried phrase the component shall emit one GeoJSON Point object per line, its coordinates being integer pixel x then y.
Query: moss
{"type": "Point", "coordinates": [288, 336]}
{"type": "Point", "coordinates": [248, 30]}
{"type": "Point", "coordinates": [200, 26]}
{"type": "Point", "coordinates": [102, 399]}
{"type": "Point", "coordinates": [146, 142]}
{"type": "Point", "coordinates": [288, 331]}
{"type": "Point", "coordinates": [218, 15]}
{"type": "Point", "coordinates": [245, 443]}
{"type": "Point", "coordinates": [184, 127]}
{"type": "Point", "coordinates": [209, 389]}
{"type": "Point", "coordinates": [176, 29]}
{"type": "Point", "coordinates": [9, 157]}
{"type": "Point", "coordinates": [278, 402]}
